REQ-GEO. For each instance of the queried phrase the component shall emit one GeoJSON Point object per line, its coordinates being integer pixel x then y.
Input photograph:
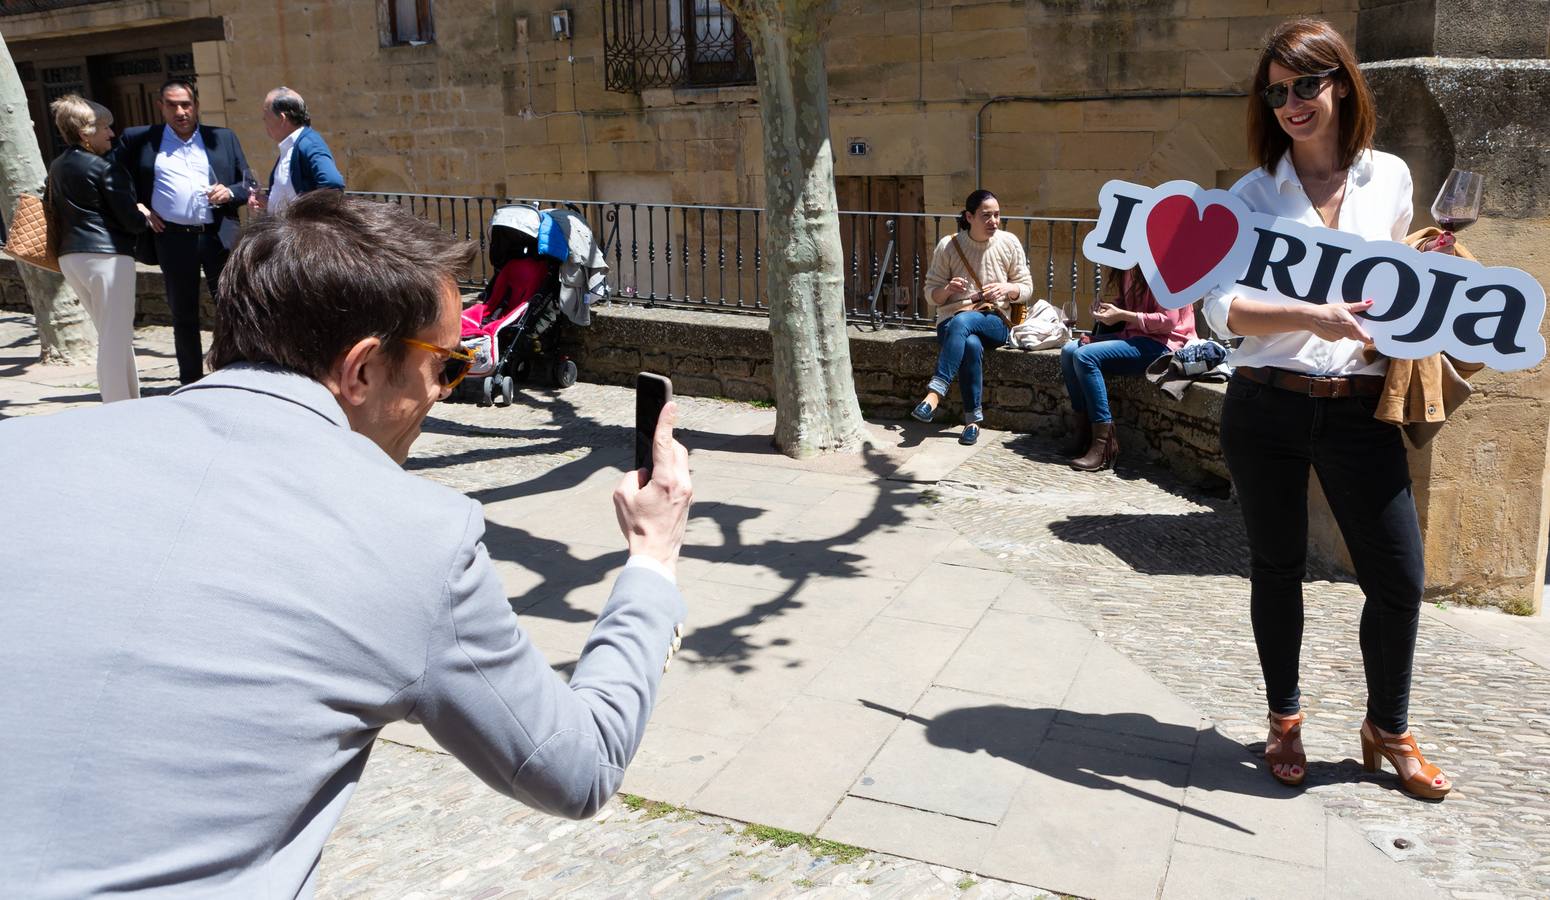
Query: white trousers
{"type": "Point", "coordinates": [105, 283]}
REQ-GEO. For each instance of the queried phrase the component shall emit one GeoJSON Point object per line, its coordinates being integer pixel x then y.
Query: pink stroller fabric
{"type": "Point", "coordinates": [514, 286]}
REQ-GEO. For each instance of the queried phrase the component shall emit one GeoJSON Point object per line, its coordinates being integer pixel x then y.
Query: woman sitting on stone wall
{"type": "Point", "coordinates": [975, 277]}
{"type": "Point", "coordinates": [1145, 332]}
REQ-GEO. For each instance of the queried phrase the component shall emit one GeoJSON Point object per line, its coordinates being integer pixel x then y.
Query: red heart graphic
{"type": "Point", "coordinates": [1185, 245]}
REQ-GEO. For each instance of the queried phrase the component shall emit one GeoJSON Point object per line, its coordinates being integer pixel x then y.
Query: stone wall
{"type": "Point", "coordinates": [150, 295]}
{"type": "Point", "coordinates": [1064, 95]}
{"type": "Point", "coordinates": [915, 82]}
{"type": "Point", "coordinates": [720, 355]}
{"type": "Point", "coordinates": [1463, 85]}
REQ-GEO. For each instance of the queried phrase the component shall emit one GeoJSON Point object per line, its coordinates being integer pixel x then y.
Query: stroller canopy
{"type": "Point", "coordinates": [560, 234]}
{"type": "Point", "coordinates": [514, 234]}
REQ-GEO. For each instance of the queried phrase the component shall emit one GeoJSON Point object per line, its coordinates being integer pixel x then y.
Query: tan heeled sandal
{"type": "Point", "coordinates": [1287, 730]}
{"type": "Point", "coordinates": [1428, 783]}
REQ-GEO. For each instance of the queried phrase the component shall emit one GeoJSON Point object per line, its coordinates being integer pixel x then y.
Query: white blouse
{"type": "Point", "coordinates": [1376, 207]}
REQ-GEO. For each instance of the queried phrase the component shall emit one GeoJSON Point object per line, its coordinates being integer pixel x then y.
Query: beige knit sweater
{"type": "Point", "coordinates": [999, 259]}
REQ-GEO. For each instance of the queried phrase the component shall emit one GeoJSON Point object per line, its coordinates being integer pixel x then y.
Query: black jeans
{"type": "Point", "coordinates": [182, 254]}
{"type": "Point", "coordinates": [1270, 438]}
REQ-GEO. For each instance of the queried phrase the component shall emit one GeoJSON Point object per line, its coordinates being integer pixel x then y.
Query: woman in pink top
{"type": "Point", "coordinates": [1148, 331]}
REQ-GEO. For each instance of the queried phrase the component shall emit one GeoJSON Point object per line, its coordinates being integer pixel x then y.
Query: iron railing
{"type": "Point", "coordinates": [712, 257]}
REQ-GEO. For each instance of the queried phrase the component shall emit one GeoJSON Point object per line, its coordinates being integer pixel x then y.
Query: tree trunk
{"type": "Point", "coordinates": [815, 409]}
{"type": "Point", "coordinates": [65, 335]}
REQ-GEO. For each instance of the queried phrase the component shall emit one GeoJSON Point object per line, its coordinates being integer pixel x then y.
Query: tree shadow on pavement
{"type": "Point", "coordinates": [15, 365]}
{"type": "Point", "coordinates": [793, 562]}
{"type": "Point", "coordinates": [1093, 751]}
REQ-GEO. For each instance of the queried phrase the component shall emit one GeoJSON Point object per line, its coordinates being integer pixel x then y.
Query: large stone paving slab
{"type": "Point", "coordinates": [976, 747]}
{"type": "Point", "coordinates": [794, 772]}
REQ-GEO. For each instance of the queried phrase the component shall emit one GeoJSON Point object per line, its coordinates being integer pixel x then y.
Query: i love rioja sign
{"type": "Point", "coordinates": [1188, 241]}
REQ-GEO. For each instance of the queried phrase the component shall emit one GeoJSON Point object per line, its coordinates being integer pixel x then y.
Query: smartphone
{"type": "Point", "coordinates": [651, 394]}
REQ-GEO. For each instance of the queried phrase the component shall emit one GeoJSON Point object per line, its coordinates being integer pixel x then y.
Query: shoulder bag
{"type": "Point", "coordinates": [31, 234]}
{"type": "Point", "coordinates": [980, 285]}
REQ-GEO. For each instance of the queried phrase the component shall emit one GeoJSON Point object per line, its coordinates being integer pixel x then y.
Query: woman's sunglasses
{"type": "Point", "coordinates": [455, 369]}
{"type": "Point", "coordinates": [1304, 86]}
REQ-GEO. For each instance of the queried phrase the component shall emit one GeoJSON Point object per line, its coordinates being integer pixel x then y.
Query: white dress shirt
{"type": "Point", "coordinates": [282, 192]}
{"type": "Point", "coordinates": [1376, 207]}
{"type": "Point", "coordinates": [183, 177]}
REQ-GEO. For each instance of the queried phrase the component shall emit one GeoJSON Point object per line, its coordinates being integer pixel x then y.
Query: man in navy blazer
{"type": "Point", "coordinates": [304, 162]}
{"type": "Point", "coordinates": [189, 180]}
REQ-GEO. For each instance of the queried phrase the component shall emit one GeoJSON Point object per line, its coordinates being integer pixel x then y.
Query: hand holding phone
{"type": "Point", "coordinates": [652, 501]}
{"type": "Point", "coordinates": [652, 392]}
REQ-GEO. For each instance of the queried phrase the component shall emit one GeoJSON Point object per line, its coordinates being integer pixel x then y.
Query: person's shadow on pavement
{"type": "Point", "coordinates": [1039, 739]}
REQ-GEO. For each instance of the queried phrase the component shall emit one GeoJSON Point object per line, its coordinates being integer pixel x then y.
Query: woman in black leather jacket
{"type": "Point", "coordinates": [97, 218]}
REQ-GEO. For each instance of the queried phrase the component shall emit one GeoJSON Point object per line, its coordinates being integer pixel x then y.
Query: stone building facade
{"type": "Point", "coordinates": [1042, 100]}
{"type": "Point", "coordinates": [1045, 100]}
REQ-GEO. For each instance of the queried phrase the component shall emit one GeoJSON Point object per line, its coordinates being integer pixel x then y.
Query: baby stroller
{"type": "Point", "coordinates": [547, 266]}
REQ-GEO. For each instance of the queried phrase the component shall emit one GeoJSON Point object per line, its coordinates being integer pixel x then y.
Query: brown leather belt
{"type": "Point", "coordinates": [1323, 386]}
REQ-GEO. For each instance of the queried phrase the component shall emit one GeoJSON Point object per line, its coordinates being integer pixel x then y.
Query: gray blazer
{"type": "Point", "coordinates": [209, 605]}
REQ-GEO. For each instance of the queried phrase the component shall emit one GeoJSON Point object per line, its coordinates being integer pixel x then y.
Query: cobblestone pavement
{"type": "Point", "coordinates": [423, 825]}
{"type": "Point", "coordinates": [1159, 571]}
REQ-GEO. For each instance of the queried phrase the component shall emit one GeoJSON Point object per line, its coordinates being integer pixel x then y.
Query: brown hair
{"type": "Point", "coordinates": [1127, 288]}
{"type": "Point", "coordinates": [305, 285]}
{"type": "Point", "coordinates": [1309, 46]}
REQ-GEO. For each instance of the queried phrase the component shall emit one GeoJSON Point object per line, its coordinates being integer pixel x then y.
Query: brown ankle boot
{"type": "Point", "coordinates": [1104, 448]}
{"type": "Point", "coordinates": [1081, 438]}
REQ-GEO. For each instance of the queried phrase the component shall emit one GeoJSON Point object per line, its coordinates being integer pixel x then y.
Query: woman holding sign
{"type": "Point", "coordinates": [1304, 393]}
{"type": "Point", "coordinates": [975, 277]}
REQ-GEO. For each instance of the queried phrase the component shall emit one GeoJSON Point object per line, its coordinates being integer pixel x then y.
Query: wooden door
{"type": "Point", "coordinates": [128, 84]}
{"type": "Point", "coordinates": [874, 215]}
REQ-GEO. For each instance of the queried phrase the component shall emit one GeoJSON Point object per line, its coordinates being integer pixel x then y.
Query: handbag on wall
{"type": "Point", "coordinates": [31, 236]}
{"type": "Point", "coordinates": [1041, 330]}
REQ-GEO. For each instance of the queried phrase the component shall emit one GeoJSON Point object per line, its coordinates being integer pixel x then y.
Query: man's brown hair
{"type": "Point", "coordinates": [305, 285]}
{"type": "Point", "coordinates": [1308, 47]}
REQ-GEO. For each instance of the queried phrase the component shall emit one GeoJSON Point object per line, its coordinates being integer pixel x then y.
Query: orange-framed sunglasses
{"type": "Point", "coordinates": [455, 369]}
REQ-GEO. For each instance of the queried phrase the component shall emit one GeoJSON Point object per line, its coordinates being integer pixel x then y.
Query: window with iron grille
{"type": "Point", "coordinates": [405, 22]}
{"type": "Point", "coordinates": [673, 43]}
{"type": "Point", "coordinates": [19, 7]}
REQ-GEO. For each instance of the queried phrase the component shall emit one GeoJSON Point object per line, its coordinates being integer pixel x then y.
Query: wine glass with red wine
{"type": "Point", "coordinates": [1068, 314]}
{"type": "Point", "coordinates": [1458, 203]}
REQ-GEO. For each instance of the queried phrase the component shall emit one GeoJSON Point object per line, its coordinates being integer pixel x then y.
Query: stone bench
{"type": "Point", "coordinates": [724, 355]}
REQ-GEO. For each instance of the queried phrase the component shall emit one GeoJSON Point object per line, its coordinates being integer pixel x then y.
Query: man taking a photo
{"type": "Point", "coordinates": [225, 594]}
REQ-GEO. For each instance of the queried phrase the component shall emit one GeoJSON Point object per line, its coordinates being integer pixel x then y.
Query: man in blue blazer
{"type": "Point", "coordinates": [248, 586]}
{"type": "Point", "coordinates": [304, 162]}
{"type": "Point", "coordinates": [189, 180]}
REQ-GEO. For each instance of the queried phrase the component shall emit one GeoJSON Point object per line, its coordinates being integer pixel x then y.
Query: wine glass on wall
{"type": "Point", "coordinates": [1458, 203]}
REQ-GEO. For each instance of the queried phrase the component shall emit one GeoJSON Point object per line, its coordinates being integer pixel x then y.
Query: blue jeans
{"type": "Point", "coordinates": [963, 339]}
{"type": "Point", "coordinates": [1085, 366]}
